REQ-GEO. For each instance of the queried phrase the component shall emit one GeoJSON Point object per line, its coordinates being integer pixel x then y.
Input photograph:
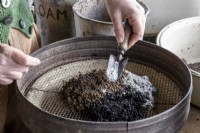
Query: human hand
{"type": "Point", "coordinates": [13, 63]}
{"type": "Point", "coordinates": [120, 10]}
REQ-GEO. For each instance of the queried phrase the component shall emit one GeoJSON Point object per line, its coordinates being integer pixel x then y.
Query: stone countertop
{"type": "Point", "coordinates": [193, 122]}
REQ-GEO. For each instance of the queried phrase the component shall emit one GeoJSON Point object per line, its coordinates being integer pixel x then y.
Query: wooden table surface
{"type": "Point", "coordinates": [193, 122]}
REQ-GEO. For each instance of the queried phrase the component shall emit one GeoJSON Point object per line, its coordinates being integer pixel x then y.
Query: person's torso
{"type": "Point", "coordinates": [15, 14]}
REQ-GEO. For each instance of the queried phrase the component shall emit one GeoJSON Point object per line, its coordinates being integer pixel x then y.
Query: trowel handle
{"type": "Point", "coordinates": [128, 31]}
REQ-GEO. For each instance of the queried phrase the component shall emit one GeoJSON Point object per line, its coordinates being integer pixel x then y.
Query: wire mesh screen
{"type": "Point", "coordinates": [45, 91]}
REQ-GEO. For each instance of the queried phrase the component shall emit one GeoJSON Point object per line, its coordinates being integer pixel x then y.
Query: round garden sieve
{"type": "Point", "coordinates": [42, 109]}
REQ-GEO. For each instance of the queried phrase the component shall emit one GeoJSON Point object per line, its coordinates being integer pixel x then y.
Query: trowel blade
{"type": "Point", "coordinates": [115, 68]}
{"type": "Point", "coordinates": [111, 61]}
{"type": "Point", "coordinates": [122, 65]}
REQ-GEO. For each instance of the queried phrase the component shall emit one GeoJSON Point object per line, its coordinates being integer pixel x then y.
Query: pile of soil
{"type": "Point", "coordinates": [128, 99]}
{"type": "Point", "coordinates": [195, 66]}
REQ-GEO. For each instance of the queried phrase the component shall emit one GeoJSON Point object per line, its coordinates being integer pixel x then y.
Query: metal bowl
{"type": "Point", "coordinates": [92, 19]}
{"type": "Point", "coordinates": [38, 91]}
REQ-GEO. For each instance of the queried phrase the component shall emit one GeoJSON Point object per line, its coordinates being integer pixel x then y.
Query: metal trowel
{"type": "Point", "coordinates": [117, 64]}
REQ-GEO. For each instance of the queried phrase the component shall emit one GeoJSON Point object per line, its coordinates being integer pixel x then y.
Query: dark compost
{"type": "Point", "coordinates": [128, 99]}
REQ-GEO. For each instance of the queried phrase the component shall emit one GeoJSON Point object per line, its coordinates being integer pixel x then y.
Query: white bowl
{"type": "Point", "coordinates": [182, 37]}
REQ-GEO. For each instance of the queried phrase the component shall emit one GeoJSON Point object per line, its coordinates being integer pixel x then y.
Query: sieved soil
{"type": "Point", "coordinates": [195, 66]}
{"type": "Point", "coordinates": [128, 99]}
